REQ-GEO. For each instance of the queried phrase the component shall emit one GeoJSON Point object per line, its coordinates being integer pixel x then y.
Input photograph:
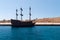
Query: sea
{"type": "Point", "coordinates": [30, 33]}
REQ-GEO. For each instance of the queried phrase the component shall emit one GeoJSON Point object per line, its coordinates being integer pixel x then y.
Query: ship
{"type": "Point", "coordinates": [21, 23]}
{"type": "Point", "coordinates": [18, 23]}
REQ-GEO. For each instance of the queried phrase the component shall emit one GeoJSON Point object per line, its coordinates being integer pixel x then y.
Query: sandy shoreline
{"type": "Point", "coordinates": [5, 24]}
{"type": "Point", "coordinates": [47, 24]}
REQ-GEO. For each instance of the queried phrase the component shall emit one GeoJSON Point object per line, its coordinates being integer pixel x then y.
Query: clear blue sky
{"type": "Point", "coordinates": [40, 8]}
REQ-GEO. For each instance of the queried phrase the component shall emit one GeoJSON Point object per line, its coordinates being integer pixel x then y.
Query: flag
{"type": "Point", "coordinates": [16, 10]}
{"type": "Point", "coordinates": [21, 14]}
{"type": "Point", "coordinates": [16, 14]}
{"type": "Point", "coordinates": [21, 9]}
{"type": "Point", "coordinates": [29, 8]}
{"type": "Point", "coordinates": [30, 14]}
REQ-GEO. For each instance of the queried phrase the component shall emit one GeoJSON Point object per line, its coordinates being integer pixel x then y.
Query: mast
{"type": "Point", "coordinates": [16, 14]}
{"type": "Point", "coordinates": [30, 13]}
{"type": "Point", "coordinates": [21, 13]}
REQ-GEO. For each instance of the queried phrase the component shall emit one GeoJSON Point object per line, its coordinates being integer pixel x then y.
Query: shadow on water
{"type": "Point", "coordinates": [22, 26]}
{"type": "Point", "coordinates": [22, 33]}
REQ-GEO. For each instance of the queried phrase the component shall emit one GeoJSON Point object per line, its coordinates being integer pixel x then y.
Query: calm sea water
{"type": "Point", "coordinates": [30, 33]}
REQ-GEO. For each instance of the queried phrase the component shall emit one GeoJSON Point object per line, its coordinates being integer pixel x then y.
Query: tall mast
{"type": "Point", "coordinates": [16, 14]}
{"type": "Point", "coordinates": [21, 13]}
{"type": "Point", "coordinates": [30, 13]}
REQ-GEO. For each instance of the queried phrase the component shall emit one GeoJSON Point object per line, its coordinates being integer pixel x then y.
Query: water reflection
{"type": "Point", "coordinates": [28, 33]}
{"type": "Point", "coordinates": [23, 33]}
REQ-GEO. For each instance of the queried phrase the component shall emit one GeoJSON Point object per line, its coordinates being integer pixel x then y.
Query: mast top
{"type": "Point", "coordinates": [29, 13]}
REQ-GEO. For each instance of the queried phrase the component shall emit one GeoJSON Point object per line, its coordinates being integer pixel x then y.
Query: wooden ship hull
{"type": "Point", "coordinates": [18, 23]}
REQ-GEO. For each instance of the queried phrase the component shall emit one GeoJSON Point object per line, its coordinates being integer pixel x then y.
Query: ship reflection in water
{"type": "Point", "coordinates": [30, 33]}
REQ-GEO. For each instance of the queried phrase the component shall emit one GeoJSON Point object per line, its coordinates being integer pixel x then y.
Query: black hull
{"type": "Point", "coordinates": [18, 23]}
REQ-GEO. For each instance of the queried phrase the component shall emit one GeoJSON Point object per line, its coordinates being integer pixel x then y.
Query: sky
{"type": "Point", "coordinates": [39, 8]}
